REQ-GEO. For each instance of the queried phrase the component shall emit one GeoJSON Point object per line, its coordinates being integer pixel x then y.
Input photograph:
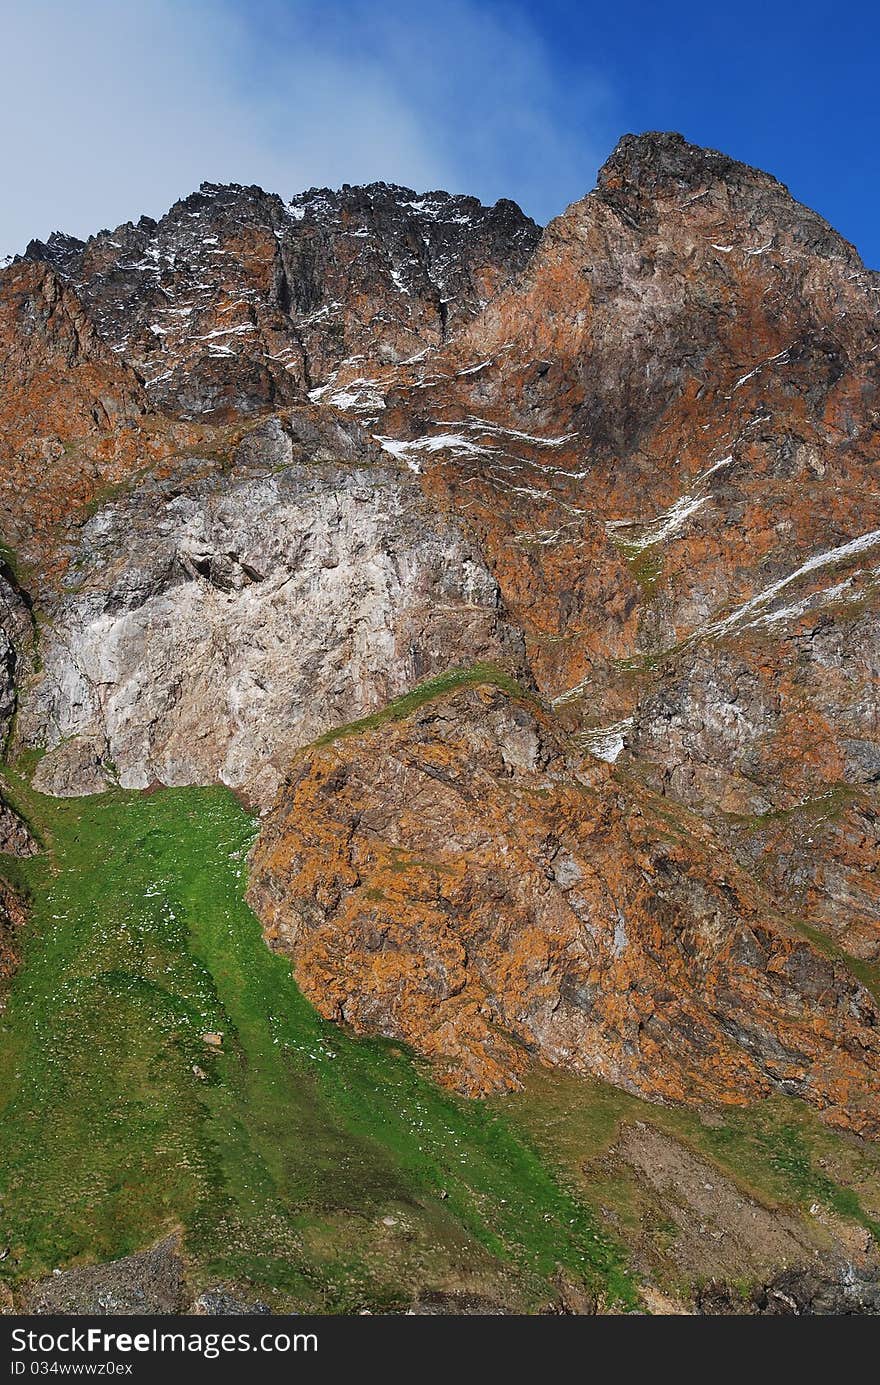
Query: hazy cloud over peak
{"type": "Point", "coordinates": [110, 110]}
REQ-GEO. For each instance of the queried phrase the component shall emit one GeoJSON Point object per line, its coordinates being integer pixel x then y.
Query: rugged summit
{"type": "Point", "coordinates": [236, 301]}
{"type": "Point", "coordinates": [525, 582]}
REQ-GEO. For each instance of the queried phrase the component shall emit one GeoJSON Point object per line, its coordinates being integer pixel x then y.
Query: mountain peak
{"type": "Point", "coordinates": [659, 158]}
{"type": "Point", "coordinates": [643, 171]}
{"type": "Point", "coordinates": [527, 585]}
{"type": "Point", "coordinates": [59, 250]}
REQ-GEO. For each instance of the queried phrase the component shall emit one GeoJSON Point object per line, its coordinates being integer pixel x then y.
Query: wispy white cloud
{"type": "Point", "coordinates": [110, 109]}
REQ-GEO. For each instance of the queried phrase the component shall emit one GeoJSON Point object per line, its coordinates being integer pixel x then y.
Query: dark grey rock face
{"type": "Point", "coordinates": [236, 300]}
{"type": "Point", "coordinates": [151, 1281]}
{"type": "Point", "coordinates": [16, 634]}
{"type": "Point", "coordinates": [823, 1290]}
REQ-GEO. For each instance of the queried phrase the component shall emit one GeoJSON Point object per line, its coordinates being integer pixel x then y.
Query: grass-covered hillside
{"type": "Point", "coordinates": [160, 1070]}
{"type": "Point", "coordinates": [328, 1171]}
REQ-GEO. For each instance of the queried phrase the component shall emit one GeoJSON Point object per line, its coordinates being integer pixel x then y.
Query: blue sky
{"type": "Point", "coordinates": [110, 109]}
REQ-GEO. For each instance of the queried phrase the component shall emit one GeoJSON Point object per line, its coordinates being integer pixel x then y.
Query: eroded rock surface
{"type": "Point", "coordinates": [236, 300]}
{"type": "Point", "coordinates": [272, 463]}
{"type": "Point", "coordinates": [459, 880]}
{"type": "Point", "coordinates": [209, 624]}
{"type": "Point", "coordinates": [151, 1281]}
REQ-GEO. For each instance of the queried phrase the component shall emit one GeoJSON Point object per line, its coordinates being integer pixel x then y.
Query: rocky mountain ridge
{"type": "Point", "coordinates": [236, 301]}
{"type": "Point", "coordinates": [601, 501]}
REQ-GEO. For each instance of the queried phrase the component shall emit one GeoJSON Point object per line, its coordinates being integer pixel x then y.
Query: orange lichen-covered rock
{"type": "Point", "coordinates": [60, 386]}
{"type": "Point", "coordinates": [632, 459]}
{"type": "Point", "coordinates": [463, 881]}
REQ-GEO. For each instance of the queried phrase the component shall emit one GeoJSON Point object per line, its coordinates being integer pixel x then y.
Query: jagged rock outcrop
{"type": "Point", "coordinates": [211, 622]}
{"type": "Point", "coordinates": [16, 838]}
{"type": "Point", "coordinates": [15, 633]}
{"type": "Point", "coordinates": [464, 882]}
{"type": "Point", "coordinates": [657, 408]}
{"type": "Point", "coordinates": [666, 430]}
{"type": "Point", "coordinates": [818, 1291]}
{"type": "Point", "coordinates": [16, 651]}
{"type": "Point", "coordinates": [632, 461]}
{"type": "Point", "coordinates": [236, 301]}
{"type": "Point", "coordinates": [68, 406]}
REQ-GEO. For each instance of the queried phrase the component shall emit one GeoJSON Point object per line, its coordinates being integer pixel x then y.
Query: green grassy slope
{"type": "Point", "coordinates": [325, 1169]}
{"type": "Point", "coordinates": [473, 676]}
{"type": "Point", "coordinates": [776, 1152]}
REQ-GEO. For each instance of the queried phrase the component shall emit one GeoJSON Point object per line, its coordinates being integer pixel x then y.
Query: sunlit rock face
{"type": "Point", "coordinates": [288, 459]}
{"type": "Point", "coordinates": [460, 880]}
{"type": "Point", "coordinates": [210, 623]}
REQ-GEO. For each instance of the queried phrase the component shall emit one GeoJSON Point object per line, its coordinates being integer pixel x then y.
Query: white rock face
{"type": "Point", "coordinates": [206, 636]}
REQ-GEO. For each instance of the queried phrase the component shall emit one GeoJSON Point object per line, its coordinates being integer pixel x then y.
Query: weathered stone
{"type": "Point", "coordinates": [632, 460]}
{"type": "Point", "coordinates": [209, 625]}
{"type": "Point", "coordinates": [151, 1281]}
{"type": "Point", "coordinates": [411, 873]}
